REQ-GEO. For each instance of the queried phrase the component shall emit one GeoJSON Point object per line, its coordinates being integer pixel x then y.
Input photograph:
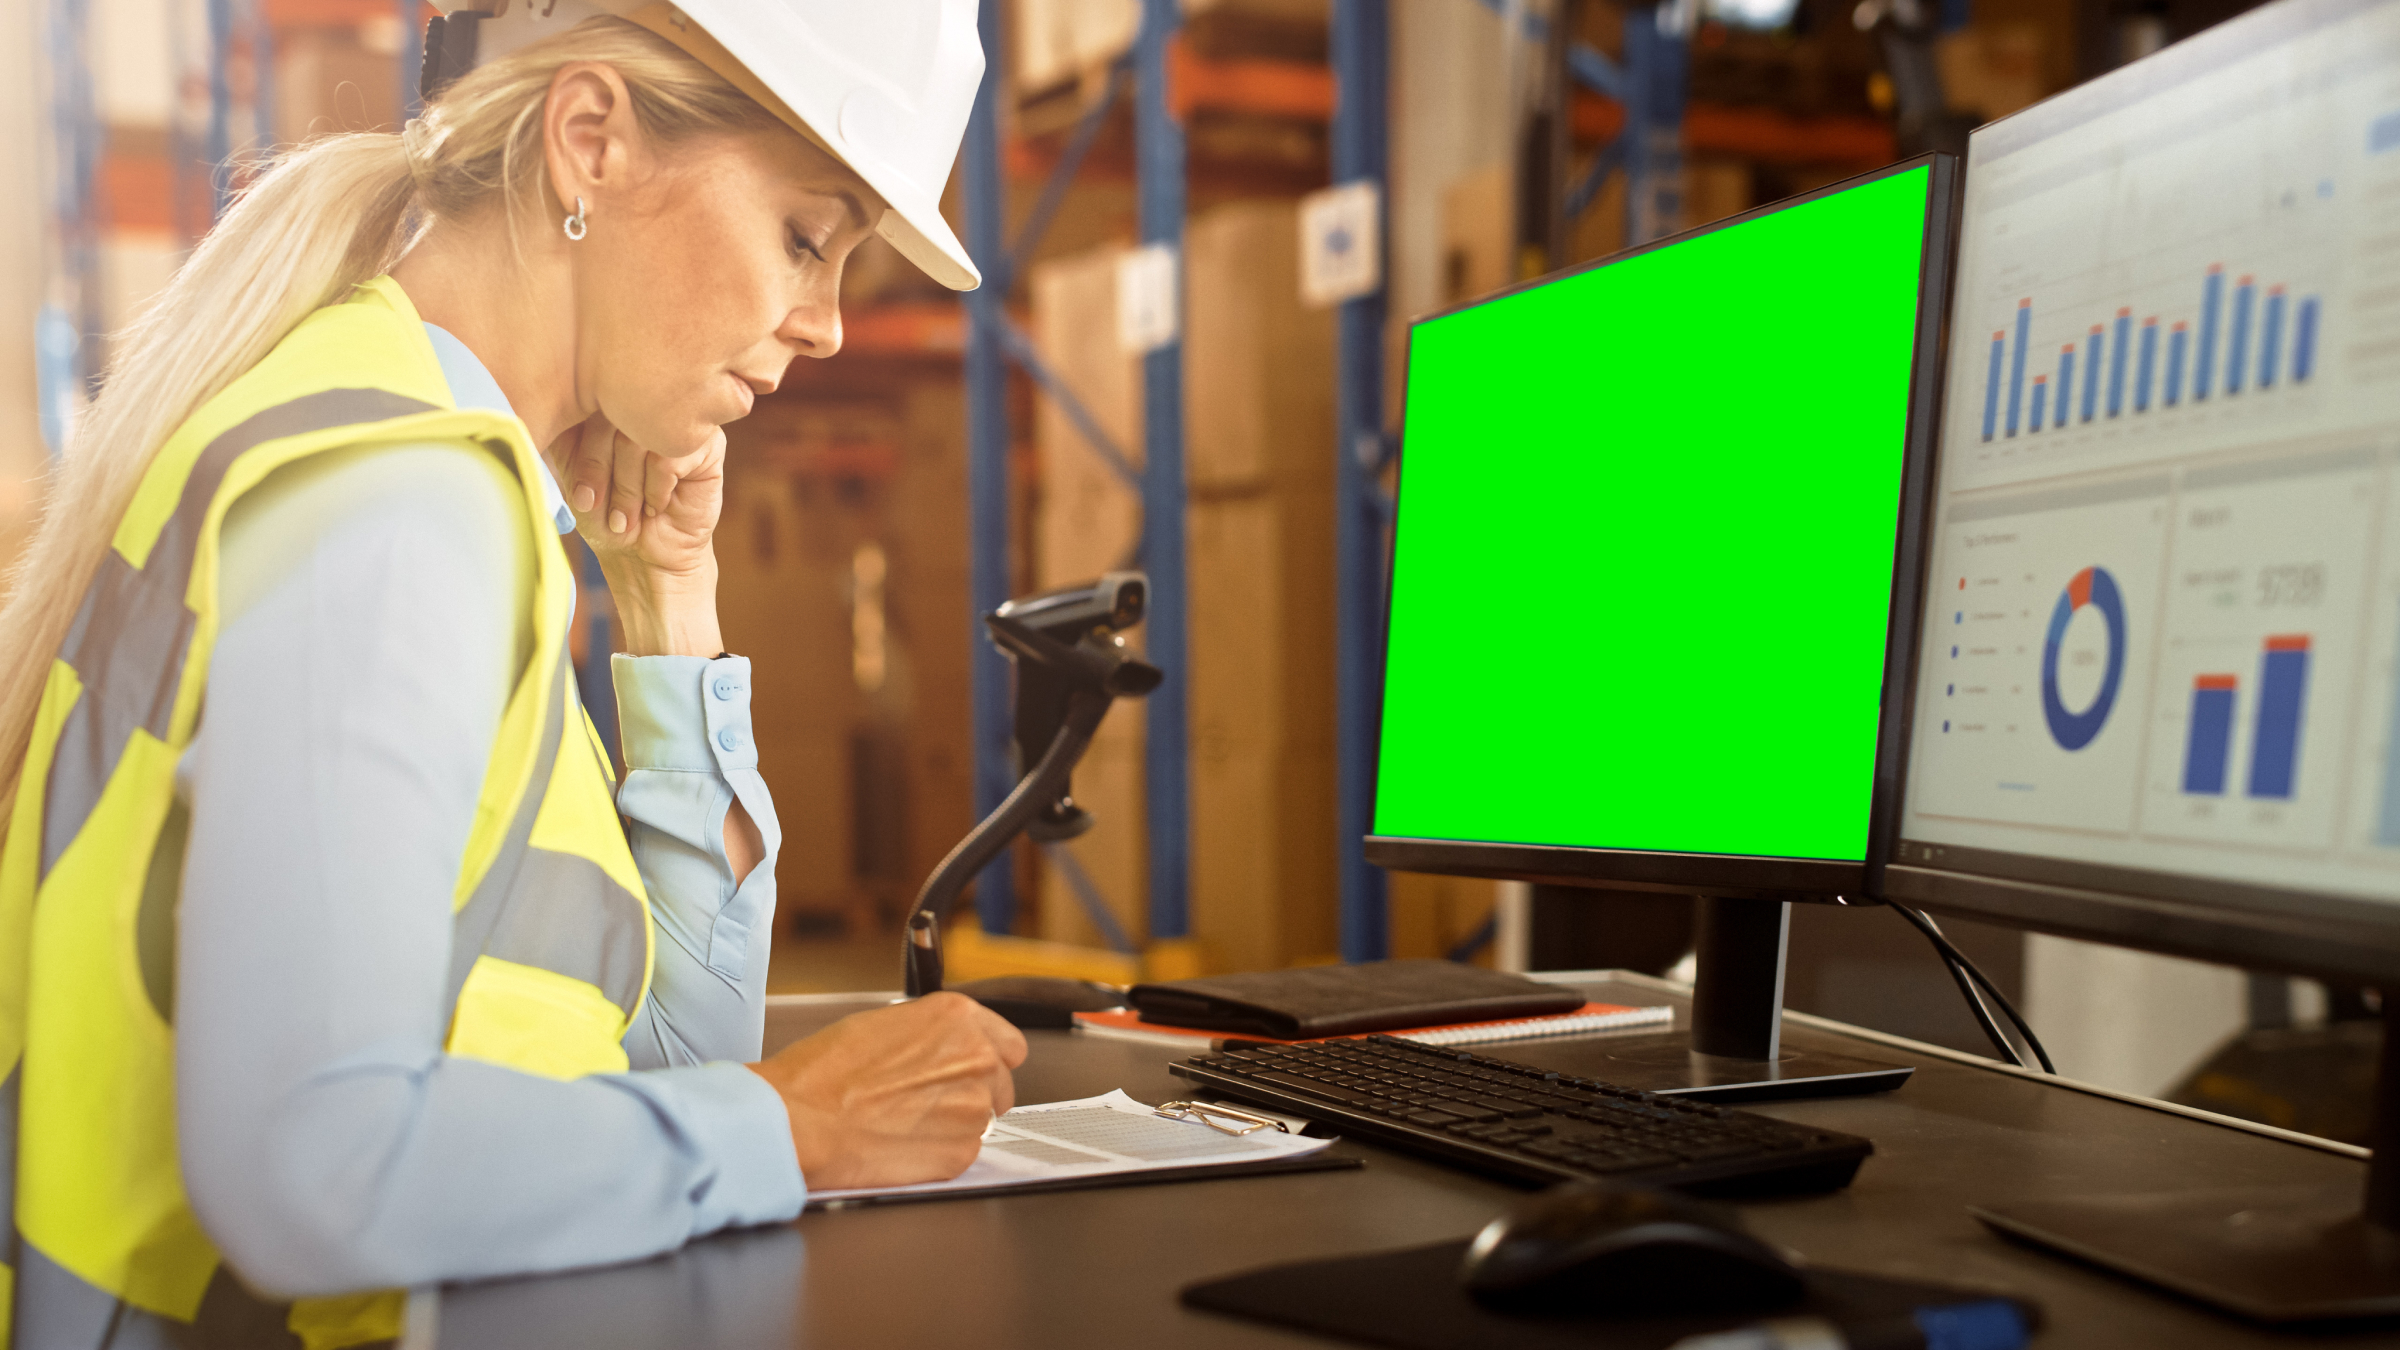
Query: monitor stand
{"type": "Point", "coordinates": [2272, 1254]}
{"type": "Point", "coordinates": [1731, 1048]}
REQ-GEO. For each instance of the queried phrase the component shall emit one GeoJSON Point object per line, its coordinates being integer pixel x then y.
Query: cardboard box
{"type": "Point", "coordinates": [1263, 774]}
{"type": "Point", "coordinates": [330, 80]}
{"type": "Point", "coordinates": [1086, 521]}
{"type": "Point", "coordinates": [1431, 915]}
{"type": "Point", "coordinates": [1258, 364]}
{"type": "Point", "coordinates": [931, 631]}
{"type": "Point", "coordinates": [1055, 41]}
{"type": "Point", "coordinates": [1260, 456]}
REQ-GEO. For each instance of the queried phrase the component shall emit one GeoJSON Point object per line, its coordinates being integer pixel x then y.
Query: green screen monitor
{"type": "Point", "coordinates": [1653, 583]}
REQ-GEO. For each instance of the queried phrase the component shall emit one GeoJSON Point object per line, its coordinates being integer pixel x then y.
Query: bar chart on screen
{"type": "Point", "coordinates": [2213, 348]}
{"type": "Point", "coordinates": [2224, 276]}
{"type": "Point", "coordinates": [2266, 570]}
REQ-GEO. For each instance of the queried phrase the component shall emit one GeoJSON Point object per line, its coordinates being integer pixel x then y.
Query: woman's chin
{"type": "Point", "coordinates": [679, 439]}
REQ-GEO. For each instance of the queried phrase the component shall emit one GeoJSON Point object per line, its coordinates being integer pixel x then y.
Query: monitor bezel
{"type": "Point", "coordinates": [1735, 875]}
{"type": "Point", "coordinates": [2299, 931]}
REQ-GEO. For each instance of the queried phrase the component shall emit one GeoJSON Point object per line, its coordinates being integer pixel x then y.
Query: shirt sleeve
{"type": "Point", "coordinates": [689, 757]}
{"type": "Point", "coordinates": [327, 1142]}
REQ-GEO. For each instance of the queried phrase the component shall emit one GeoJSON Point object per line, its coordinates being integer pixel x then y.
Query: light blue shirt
{"type": "Point", "coordinates": [472, 386]}
{"type": "Point", "coordinates": [373, 628]}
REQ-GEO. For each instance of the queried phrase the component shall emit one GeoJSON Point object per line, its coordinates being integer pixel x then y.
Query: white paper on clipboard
{"type": "Point", "coordinates": [1094, 1137]}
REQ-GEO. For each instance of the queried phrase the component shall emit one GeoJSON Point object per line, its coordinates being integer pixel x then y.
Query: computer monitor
{"type": "Point", "coordinates": [2158, 691]}
{"type": "Point", "coordinates": [1656, 532]}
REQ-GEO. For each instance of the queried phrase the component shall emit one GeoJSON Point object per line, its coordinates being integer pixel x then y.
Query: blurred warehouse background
{"type": "Point", "coordinates": [1514, 136]}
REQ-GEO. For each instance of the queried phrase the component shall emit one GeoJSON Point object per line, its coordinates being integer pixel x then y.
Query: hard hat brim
{"type": "Point", "coordinates": [913, 223]}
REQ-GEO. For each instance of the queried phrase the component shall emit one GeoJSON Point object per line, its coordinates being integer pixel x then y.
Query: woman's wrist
{"type": "Point", "coordinates": [663, 614]}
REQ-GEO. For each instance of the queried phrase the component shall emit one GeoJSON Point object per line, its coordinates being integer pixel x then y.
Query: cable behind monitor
{"type": "Point", "coordinates": [1974, 984]}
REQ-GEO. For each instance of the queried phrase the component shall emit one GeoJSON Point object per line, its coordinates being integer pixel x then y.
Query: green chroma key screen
{"type": "Point", "coordinates": [1643, 567]}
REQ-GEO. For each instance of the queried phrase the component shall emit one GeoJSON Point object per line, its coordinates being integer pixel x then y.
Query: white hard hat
{"type": "Point", "coordinates": [885, 86]}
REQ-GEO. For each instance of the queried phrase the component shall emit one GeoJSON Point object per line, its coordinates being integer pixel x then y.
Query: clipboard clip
{"type": "Point", "coordinates": [1215, 1117]}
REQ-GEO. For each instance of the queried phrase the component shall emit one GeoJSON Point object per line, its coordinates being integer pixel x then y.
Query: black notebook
{"type": "Point", "coordinates": [1348, 1000]}
{"type": "Point", "coordinates": [1411, 1300]}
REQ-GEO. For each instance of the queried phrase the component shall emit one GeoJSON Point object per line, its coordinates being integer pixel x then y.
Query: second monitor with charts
{"type": "Point", "coordinates": [2163, 630]}
{"type": "Point", "coordinates": [2158, 692]}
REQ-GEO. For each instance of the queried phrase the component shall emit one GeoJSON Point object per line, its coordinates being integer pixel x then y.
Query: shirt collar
{"type": "Point", "coordinates": [472, 386]}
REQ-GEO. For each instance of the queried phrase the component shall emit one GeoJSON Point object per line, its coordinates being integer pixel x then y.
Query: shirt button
{"type": "Point", "coordinates": [725, 688]}
{"type": "Point", "coordinates": [728, 738]}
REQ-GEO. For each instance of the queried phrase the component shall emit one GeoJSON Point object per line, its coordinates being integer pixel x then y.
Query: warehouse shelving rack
{"type": "Point", "coordinates": [1166, 80]}
{"type": "Point", "coordinates": [1645, 96]}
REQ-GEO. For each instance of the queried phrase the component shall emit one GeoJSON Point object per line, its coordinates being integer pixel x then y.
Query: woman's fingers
{"type": "Point", "coordinates": [588, 464]}
{"type": "Point", "coordinates": [617, 489]}
{"type": "Point", "coordinates": [658, 484]}
{"type": "Point", "coordinates": [628, 467]}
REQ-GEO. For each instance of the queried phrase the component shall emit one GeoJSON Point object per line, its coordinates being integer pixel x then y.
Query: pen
{"type": "Point", "coordinates": [1986, 1324]}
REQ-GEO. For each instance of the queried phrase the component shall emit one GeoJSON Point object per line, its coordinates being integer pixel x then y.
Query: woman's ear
{"type": "Point", "coordinates": [591, 141]}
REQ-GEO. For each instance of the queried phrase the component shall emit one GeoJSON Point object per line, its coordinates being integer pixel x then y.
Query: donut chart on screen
{"type": "Point", "coordinates": [2095, 587]}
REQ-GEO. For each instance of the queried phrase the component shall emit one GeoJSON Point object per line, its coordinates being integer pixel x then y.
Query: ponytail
{"type": "Point", "coordinates": [326, 217]}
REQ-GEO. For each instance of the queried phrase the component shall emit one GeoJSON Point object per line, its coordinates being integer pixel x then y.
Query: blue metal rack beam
{"type": "Point", "coordinates": [992, 342]}
{"type": "Point", "coordinates": [1159, 154]}
{"type": "Point", "coordinates": [1657, 67]}
{"type": "Point", "coordinates": [1361, 70]}
{"type": "Point", "coordinates": [1650, 85]}
{"type": "Point", "coordinates": [987, 463]}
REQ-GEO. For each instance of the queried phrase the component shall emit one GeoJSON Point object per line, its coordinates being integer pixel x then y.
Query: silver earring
{"type": "Point", "coordinates": [574, 225]}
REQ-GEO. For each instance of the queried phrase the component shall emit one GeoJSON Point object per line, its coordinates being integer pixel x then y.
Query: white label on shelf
{"type": "Point", "coordinates": [1341, 243]}
{"type": "Point", "coordinates": [1148, 315]}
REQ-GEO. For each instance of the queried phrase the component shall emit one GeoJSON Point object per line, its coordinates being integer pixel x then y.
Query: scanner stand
{"type": "Point", "coordinates": [1070, 664]}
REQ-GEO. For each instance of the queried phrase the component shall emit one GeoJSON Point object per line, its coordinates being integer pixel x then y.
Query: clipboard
{"type": "Point", "coordinates": [1325, 1161]}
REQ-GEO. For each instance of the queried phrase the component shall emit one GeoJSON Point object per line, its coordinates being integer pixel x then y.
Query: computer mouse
{"type": "Point", "coordinates": [1042, 1001]}
{"type": "Point", "coordinates": [1594, 1247]}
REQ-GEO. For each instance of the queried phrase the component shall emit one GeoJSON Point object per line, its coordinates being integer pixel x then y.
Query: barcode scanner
{"type": "Point", "coordinates": [1068, 650]}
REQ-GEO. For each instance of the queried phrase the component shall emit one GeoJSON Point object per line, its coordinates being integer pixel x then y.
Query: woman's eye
{"type": "Point", "coordinates": [800, 245]}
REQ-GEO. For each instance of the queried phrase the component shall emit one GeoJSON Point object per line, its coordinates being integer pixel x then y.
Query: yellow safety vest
{"type": "Point", "coordinates": [551, 946]}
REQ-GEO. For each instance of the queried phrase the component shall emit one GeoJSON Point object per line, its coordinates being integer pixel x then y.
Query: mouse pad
{"type": "Point", "coordinates": [1411, 1300]}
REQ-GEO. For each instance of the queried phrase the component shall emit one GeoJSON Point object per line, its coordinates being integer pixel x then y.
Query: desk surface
{"type": "Point", "coordinates": [1092, 1267]}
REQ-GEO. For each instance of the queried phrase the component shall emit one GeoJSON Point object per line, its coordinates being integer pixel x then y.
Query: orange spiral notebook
{"type": "Point", "coordinates": [1126, 1024]}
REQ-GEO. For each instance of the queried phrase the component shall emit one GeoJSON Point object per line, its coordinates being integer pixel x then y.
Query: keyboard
{"type": "Point", "coordinates": [1510, 1120]}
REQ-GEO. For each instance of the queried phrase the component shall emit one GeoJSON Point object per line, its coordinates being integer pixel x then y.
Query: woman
{"type": "Point", "coordinates": [326, 967]}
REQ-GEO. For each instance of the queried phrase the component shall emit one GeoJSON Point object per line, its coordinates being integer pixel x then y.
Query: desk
{"type": "Point", "coordinates": [1102, 1267]}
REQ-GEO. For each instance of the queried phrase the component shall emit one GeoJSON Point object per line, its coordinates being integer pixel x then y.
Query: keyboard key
{"type": "Point", "coordinates": [1706, 1152]}
{"type": "Point", "coordinates": [1431, 1119]}
{"type": "Point", "coordinates": [1314, 1089]}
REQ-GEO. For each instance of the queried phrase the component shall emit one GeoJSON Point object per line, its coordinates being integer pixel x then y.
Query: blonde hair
{"type": "Point", "coordinates": [324, 218]}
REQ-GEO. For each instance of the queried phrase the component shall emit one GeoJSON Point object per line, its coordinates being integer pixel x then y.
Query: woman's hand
{"type": "Point", "coordinates": [651, 521]}
{"type": "Point", "coordinates": [896, 1095]}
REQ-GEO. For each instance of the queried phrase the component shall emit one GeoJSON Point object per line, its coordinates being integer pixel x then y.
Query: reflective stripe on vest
{"type": "Point", "coordinates": [128, 641]}
{"type": "Point", "coordinates": [551, 931]}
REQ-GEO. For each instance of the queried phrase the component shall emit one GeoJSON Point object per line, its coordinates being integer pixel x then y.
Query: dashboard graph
{"type": "Point", "coordinates": [2166, 550]}
{"type": "Point", "coordinates": [2093, 588]}
{"type": "Point", "coordinates": [2140, 373]}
